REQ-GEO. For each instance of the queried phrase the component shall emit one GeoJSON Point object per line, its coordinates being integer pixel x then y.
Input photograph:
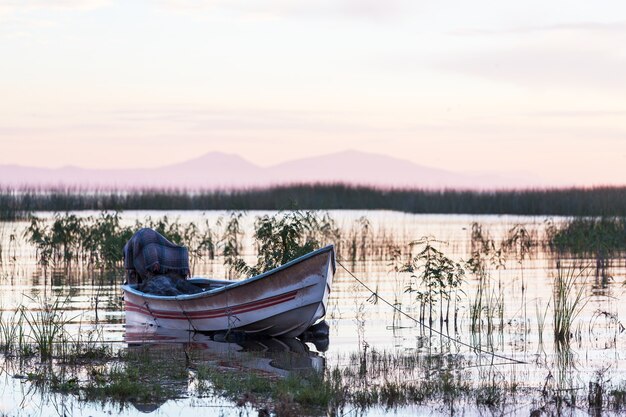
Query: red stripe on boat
{"type": "Point", "coordinates": [207, 314]}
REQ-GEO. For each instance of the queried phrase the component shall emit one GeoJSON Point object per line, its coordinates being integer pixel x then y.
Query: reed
{"type": "Point", "coordinates": [601, 238]}
{"type": "Point", "coordinates": [232, 246]}
{"type": "Point", "coordinates": [368, 379]}
{"type": "Point", "coordinates": [617, 397]}
{"type": "Point", "coordinates": [280, 238]}
{"type": "Point", "coordinates": [435, 278]}
{"type": "Point", "coordinates": [520, 242]}
{"type": "Point", "coordinates": [11, 208]}
{"type": "Point", "coordinates": [12, 336]}
{"type": "Point", "coordinates": [95, 243]}
{"type": "Point", "coordinates": [70, 241]}
{"type": "Point", "coordinates": [569, 300]}
{"type": "Point", "coordinates": [46, 326]}
{"type": "Point", "coordinates": [487, 306]}
{"type": "Point", "coordinates": [596, 201]}
{"type": "Point", "coordinates": [541, 314]}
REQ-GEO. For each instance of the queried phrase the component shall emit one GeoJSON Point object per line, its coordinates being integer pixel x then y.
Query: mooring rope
{"type": "Point", "coordinates": [474, 348]}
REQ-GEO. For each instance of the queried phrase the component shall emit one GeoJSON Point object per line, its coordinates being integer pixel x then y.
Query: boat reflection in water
{"type": "Point", "coordinates": [235, 352]}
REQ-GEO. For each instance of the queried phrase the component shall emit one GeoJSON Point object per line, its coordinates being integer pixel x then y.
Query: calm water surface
{"type": "Point", "coordinates": [519, 293]}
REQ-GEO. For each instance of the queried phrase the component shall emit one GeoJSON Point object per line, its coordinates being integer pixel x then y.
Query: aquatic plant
{"type": "Point", "coordinates": [602, 237]}
{"type": "Point", "coordinates": [73, 241]}
{"type": "Point", "coordinates": [47, 325]}
{"type": "Point", "coordinates": [435, 278]}
{"type": "Point", "coordinates": [487, 309]}
{"type": "Point", "coordinates": [232, 246]}
{"type": "Point", "coordinates": [358, 242]}
{"type": "Point", "coordinates": [487, 305]}
{"type": "Point", "coordinates": [541, 314]}
{"type": "Point", "coordinates": [568, 300]}
{"type": "Point", "coordinates": [11, 208]}
{"type": "Point", "coordinates": [102, 238]}
{"type": "Point", "coordinates": [596, 201]}
{"type": "Point", "coordinates": [520, 241]}
{"type": "Point", "coordinates": [12, 336]}
{"type": "Point", "coordinates": [283, 237]}
{"type": "Point", "coordinates": [617, 397]}
{"type": "Point", "coordinates": [299, 392]}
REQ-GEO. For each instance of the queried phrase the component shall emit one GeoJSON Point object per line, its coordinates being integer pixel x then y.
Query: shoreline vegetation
{"type": "Point", "coordinates": [71, 242]}
{"type": "Point", "coordinates": [39, 346]}
{"type": "Point", "coordinates": [17, 203]}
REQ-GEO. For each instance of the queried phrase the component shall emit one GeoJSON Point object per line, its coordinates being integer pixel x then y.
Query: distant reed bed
{"type": "Point", "coordinates": [596, 201]}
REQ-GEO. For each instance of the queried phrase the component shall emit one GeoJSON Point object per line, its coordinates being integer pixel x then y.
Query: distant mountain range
{"type": "Point", "coordinates": [225, 171]}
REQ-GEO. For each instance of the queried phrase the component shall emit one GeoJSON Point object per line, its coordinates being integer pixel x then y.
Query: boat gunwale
{"type": "Point", "coordinates": [329, 248]}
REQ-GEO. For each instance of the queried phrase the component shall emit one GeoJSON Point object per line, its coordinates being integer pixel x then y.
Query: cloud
{"type": "Point", "coordinates": [12, 6]}
{"type": "Point", "coordinates": [190, 122]}
{"type": "Point", "coordinates": [546, 67]}
{"type": "Point", "coordinates": [598, 27]}
{"type": "Point", "coordinates": [576, 114]}
{"type": "Point", "coordinates": [245, 120]}
{"type": "Point", "coordinates": [356, 9]}
{"type": "Point", "coordinates": [17, 20]}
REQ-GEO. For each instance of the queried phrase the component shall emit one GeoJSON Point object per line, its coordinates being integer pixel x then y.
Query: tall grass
{"type": "Point", "coordinates": [541, 314]}
{"type": "Point", "coordinates": [487, 306]}
{"type": "Point", "coordinates": [435, 278]}
{"type": "Point", "coordinates": [603, 239]}
{"type": "Point", "coordinates": [597, 201]}
{"type": "Point", "coordinates": [41, 328]}
{"type": "Point", "coordinates": [47, 326]}
{"type": "Point", "coordinates": [94, 243]}
{"type": "Point", "coordinates": [285, 236]}
{"type": "Point", "coordinates": [11, 205]}
{"type": "Point", "coordinates": [361, 242]}
{"type": "Point", "coordinates": [569, 300]}
{"type": "Point", "coordinates": [69, 240]}
{"type": "Point", "coordinates": [597, 237]}
{"type": "Point", "coordinates": [12, 334]}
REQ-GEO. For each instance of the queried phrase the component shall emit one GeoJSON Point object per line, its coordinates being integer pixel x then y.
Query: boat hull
{"type": "Point", "coordinates": [282, 302]}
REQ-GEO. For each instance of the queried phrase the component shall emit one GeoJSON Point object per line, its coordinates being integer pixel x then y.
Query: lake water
{"type": "Point", "coordinates": [517, 301]}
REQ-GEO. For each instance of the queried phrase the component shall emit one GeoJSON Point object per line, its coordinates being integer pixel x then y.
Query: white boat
{"type": "Point", "coordinates": [284, 301]}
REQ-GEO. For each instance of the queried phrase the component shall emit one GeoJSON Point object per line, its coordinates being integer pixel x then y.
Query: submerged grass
{"type": "Point", "coordinates": [129, 377]}
{"type": "Point", "coordinates": [303, 390]}
{"type": "Point", "coordinates": [140, 376]}
{"type": "Point", "coordinates": [143, 376]}
{"type": "Point", "coordinates": [136, 376]}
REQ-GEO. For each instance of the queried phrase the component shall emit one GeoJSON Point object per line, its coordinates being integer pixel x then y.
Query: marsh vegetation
{"type": "Point", "coordinates": [487, 315]}
{"type": "Point", "coordinates": [598, 201]}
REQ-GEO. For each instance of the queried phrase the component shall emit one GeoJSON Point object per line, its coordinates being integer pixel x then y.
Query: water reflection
{"type": "Point", "coordinates": [237, 353]}
{"type": "Point", "coordinates": [277, 356]}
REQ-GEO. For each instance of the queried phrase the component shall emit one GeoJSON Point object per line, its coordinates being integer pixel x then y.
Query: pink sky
{"type": "Point", "coordinates": [529, 87]}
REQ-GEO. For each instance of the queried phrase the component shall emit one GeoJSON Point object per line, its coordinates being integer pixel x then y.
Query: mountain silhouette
{"type": "Point", "coordinates": [216, 170]}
